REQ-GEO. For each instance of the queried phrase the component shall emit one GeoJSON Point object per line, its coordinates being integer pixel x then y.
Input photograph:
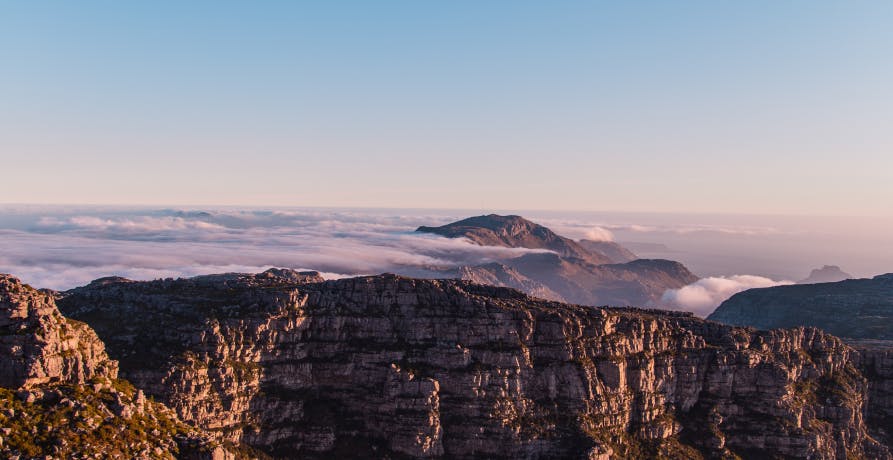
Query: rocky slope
{"type": "Point", "coordinates": [580, 272]}
{"type": "Point", "coordinates": [614, 251]}
{"type": "Point", "coordinates": [391, 367]}
{"type": "Point", "coordinates": [640, 282]}
{"type": "Point", "coordinates": [60, 396]}
{"type": "Point", "coordinates": [858, 309]}
{"type": "Point", "coordinates": [497, 274]}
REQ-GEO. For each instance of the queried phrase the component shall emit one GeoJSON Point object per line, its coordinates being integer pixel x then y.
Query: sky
{"type": "Point", "coordinates": [756, 107]}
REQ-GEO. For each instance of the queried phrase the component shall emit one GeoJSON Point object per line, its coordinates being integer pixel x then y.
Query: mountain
{"type": "Point", "coordinates": [613, 251]}
{"type": "Point", "coordinates": [56, 377]}
{"type": "Point", "coordinates": [641, 282]}
{"type": "Point", "coordinates": [582, 272]}
{"type": "Point", "coordinates": [515, 232]}
{"type": "Point", "coordinates": [393, 367]}
{"type": "Point", "coordinates": [826, 274]}
{"type": "Point", "coordinates": [858, 309]}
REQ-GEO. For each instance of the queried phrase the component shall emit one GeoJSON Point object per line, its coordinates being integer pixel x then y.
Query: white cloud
{"type": "Point", "coordinates": [704, 295]}
{"type": "Point", "coordinates": [599, 234]}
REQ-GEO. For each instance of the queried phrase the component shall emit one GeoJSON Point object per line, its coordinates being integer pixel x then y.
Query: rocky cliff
{"type": "Point", "coordinates": [386, 366]}
{"type": "Point", "coordinates": [876, 362]}
{"type": "Point", "coordinates": [857, 309]}
{"type": "Point", "coordinates": [60, 396]}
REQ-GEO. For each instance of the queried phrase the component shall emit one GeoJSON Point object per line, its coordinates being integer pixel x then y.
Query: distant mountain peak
{"type": "Point", "coordinates": [826, 274]}
{"type": "Point", "coordinates": [515, 232]}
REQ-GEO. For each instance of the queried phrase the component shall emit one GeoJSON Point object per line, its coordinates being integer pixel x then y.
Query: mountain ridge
{"type": "Point", "coordinates": [571, 271]}
{"type": "Point", "coordinates": [388, 365]}
{"type": "Point", "coordinates": [853, 308]}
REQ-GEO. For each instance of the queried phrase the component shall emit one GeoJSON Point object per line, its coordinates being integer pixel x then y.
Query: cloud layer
{"type": "Point", "coordinates": [71, 248]}
{"type": "Point", "coordinates": [704, 295]}
{"type": "Point", "coordinates": [599, 234]}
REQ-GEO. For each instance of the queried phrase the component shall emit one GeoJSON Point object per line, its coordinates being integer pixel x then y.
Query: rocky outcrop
{"type": "Point", "coordinates": [39, 346]}
{"type": "Point", "coordinates": [387, 366]}
{"type": "Point", "coordinates": [60, 396]}
{"type": "Point", "coordinates": [856, 309]}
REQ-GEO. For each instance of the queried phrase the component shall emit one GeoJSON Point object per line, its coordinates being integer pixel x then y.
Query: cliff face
{"type": "Point", "coordinates": [40, 346]}
{"type": "Point", "coordinates": [389, 366]}
{"type": "Point", "coordinates": [60, 396]}
{"type": "Point", "coordinates": [857, 309]}
{"type": "Point", "coordinates": [876, 362]}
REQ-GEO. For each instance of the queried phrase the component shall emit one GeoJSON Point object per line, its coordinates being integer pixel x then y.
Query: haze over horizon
{"type": "Point", "coordinates": [719, 107]}
{"type": "Point", "coordinates": [61, 247]}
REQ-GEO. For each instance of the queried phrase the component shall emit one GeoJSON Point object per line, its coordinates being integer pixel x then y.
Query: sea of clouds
{"type": "Point", "coordinates": [63, 247]}
{"type": "Point", "coordinates": [60, 249]}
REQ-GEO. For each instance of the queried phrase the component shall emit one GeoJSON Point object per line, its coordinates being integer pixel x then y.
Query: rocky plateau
{"type": "Point", "coordinates": [283, 364]}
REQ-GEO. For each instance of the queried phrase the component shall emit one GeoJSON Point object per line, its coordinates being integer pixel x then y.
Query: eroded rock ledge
{"type": "Point", "coordinates": [390, 366]}
{"type": "Point", "coordinates": [60, 395]}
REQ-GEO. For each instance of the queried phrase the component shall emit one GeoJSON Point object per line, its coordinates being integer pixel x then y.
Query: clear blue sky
{"type": "Point", "coordinates": [757, 106]}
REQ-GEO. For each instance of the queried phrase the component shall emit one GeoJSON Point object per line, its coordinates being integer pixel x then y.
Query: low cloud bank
{"type": "Point", "coordinates": [704, 295]}
{"type": "Point", "coordinates": [61, 249]}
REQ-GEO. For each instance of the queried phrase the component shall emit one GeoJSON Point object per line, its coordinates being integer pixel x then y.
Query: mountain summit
{"type": "Point", "coordinates": [515, 232]}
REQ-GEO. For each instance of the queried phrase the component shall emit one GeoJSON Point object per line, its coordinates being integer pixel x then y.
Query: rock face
{"type": "Point", "coordinates": [858, 309]}
{"type": "Point", "coordinates": [386, 366]}
{"type": "Point", "coordinates": [40, 346]}
{"type": "Point", "coordinates": [826, 274]}
{"type": "Point", "coordinates": [581, 272]}
{"type": "Point", "coordinates": [876, 361]}
{"type": "Point", "coordinates": [60, 396]}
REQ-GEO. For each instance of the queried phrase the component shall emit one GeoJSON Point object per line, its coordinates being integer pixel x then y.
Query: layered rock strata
{"type": "Point", "coordinates": [60, 396]}
{"type": "Point", "coordinates": [387, 366]}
